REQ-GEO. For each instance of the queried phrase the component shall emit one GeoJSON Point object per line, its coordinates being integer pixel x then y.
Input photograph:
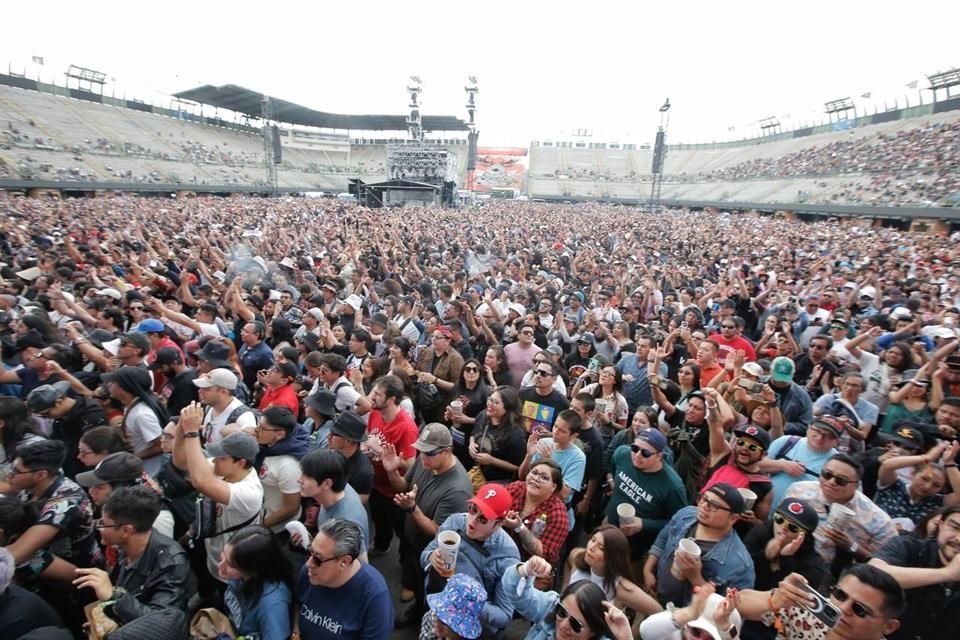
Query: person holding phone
{"type": "Point", "coordinates": [866, 604]}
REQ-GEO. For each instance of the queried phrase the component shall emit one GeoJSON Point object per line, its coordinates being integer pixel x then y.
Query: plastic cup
{"type": "Point", "coordinates": [448, 546]}
{"type": "Point", "coordinates": [626, 513]}
{"type": "Point", "coordinates": [456, 407]}
{"type": "Point", "coordinates": [689, 547]}
{"type": "Point", "coordinates": [749, 499]}
{"type": "Point", "coordinates": [839, 516]}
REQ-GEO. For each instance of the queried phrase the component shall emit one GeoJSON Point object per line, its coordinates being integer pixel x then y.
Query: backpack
{"type": "Point", "coordinates": [205, 522]}
{"type": "Point", "coordinates": [239, 411]}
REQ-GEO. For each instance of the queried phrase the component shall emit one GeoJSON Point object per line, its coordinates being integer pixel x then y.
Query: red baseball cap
{"type": "Point", "coordinates": [493, 500]}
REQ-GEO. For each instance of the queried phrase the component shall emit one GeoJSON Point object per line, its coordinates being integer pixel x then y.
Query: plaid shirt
{"type": "Point", "coordinates": [555, 533]}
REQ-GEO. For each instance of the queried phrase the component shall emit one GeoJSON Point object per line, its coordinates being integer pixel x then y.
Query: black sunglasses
{"type": "Point", "coordinates": [859, 609]}
{"type": "Point", "coordinates": [562, 614]}
{"type": "Point", "coordinates": [646, 453]}
{"type": "Point", "coordinates": [791, 527]}
{"type": "Point", "coordinates": [753, 448]}
{"type": "Point", "coordinates": [840, 480]}
{"type": "Point", "coordinates": [541, 372]}
{"type": "Point", "coordinates": [433, 453]}
{"type": "Point", "coordinates": [471, 369]}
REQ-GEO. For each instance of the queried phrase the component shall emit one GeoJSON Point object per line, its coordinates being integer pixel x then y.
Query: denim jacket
{"type": "Point", "coordinates": [726, 564]}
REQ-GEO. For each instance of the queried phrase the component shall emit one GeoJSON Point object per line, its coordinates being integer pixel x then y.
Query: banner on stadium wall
{"type": "Point", "coordinates": [500, 168]}
{"type": "Point", "coordinates": [843, 125]}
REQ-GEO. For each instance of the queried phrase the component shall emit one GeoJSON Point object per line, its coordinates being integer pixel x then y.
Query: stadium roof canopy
{"type": "Point", "coordinates": [245, 101]}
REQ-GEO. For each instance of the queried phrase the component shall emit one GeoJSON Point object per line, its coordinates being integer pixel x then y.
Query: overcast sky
{"type": "Point", "coordinates": [544, 69]}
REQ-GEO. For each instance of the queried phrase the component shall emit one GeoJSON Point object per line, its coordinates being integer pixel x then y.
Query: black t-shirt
{"type": "Point", "coordinates": [804, 372]}
{"type": "Point", "coordinates": [933, 612]}
{"type": "Point", "coordinates": [85, 414]}
{"type": "Point", "coordinates": [360, 473]}
{"type": "Point", "coordinates": [180, 391]}
{"type": "Point", "coordinates": [699, 433]}
{"type": "Point", "coordinates": [505, 443]}
{"type": "Point", "coordinates": [592, 445]}
{"type": "Point", "coordinates": [538, 410]}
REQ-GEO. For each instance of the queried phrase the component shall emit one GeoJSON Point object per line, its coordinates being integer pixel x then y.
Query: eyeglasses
{"type": "Point", "coordinates": [471, 370]}
{"type": "Point", "coordinates": [319, 560]}
{"type": "Point", "coordinates": [562, 614]}
{"type": "Point", "coordinates": [99, 524]}
{"type": "Point", "coordinates": [750, 446]}
{"type": "Point", "coordinates": [791, 527]}
{"type": "Point", "coordinates": [646, 453]}
{"type": "Point", "coordinates": [540, 475]}
{"type": "Point", "coordinates": [16, 472]}
{"type": "Point", "coordinates": [260, 427]}
{"type": "Point", "coordinates": [859, 609]}
{"type": "Point", "coordinates": [433, 453]}
{"type": "Point", "coordinates": [474, 511]}
{"type": "Point", "coordinates": [711, 506]}
{"type": "Point", "coordinates": [839, 480]}
{"type": "Point", "coordinates": [542, 372]}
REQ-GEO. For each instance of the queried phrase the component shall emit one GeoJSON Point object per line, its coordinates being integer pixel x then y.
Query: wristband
{"type": "Point", "coordinates": [410, 509]}
{"type": "Point", "coordinates": [520, 528]}
{"type": "Point", "coordinates": [951, 464]}
{"type": "Point", "coordinates": [854, 547]}
{"type": "Point", "coordinates": [191, 434]}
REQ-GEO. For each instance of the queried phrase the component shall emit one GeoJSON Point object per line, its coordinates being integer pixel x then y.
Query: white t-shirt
{"type": "Point", "coordinates": [164, 523]}
{"type": "Point", "coordinates": [246, 499]}
{"type": "Point", "coordinates": [279, 476]}
{"type": "Point", "coordinates": [347, 396]}
{"type": "Point", "coordinates": [143, 427]}
{"type": "Point", "coordinates": [214, 424]}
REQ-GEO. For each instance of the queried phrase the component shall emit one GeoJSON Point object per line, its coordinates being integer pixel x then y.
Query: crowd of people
{"type": "Point", "coordinates": [577, 421]}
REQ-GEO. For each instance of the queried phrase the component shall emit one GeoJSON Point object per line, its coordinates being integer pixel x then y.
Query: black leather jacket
{"type": "Point", "coordinates": [157, 580]}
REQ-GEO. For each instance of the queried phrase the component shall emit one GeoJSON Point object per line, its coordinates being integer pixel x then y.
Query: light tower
{"type": "Point", "coordinates": [414, 121]}
{"type": "Point", "coordinates": [471, 91]}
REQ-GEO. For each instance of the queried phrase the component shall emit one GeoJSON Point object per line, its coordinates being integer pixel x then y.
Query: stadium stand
{"type": "Point", "coordinates": [52, 137]}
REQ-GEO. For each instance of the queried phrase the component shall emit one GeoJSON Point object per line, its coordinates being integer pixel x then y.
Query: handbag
{"type": "Point", "coordinates": [211, 624]}
{"type": "Point", "coordinates": [476, 477]}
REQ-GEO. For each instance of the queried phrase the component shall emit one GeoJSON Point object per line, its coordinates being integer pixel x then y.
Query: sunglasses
{"type": "Point", "coordinates": [474, 511]}
{"type": "Point", "coordinates": [728, 326]}
{"type": "Point", "coordinates": [320, 560]}
{"type": "Point", "coordinates": [791, 527]}
{"type": "Point", "coordinates": [646, 453]}
{"type": "Point", "coordinates": [541, 372]}
{"type": "Point", "coordinates": [839, 480]}
{"type": "Point", "coordinates": [750, 446]}
{"type": "Point", "coordinates": [471, 369]}
{"type": "Point", "coordinates": [526, 333]}
{"type": "Point", "coordinates": [859, 609]}
{"type": "Point", "coordinates": [433, 453]}
{"type": "Point", "coordinates": [562, 614]}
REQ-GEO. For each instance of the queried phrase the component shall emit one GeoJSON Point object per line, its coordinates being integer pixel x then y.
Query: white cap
{"type": "Point", "coordinates": [354, 301]}
{"type": "Point", "coordinates": [110, 292]}
{"type": "Point", "coordinates": [705, 621]}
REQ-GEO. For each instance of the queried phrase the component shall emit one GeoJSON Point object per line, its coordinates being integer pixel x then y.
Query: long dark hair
{"type": "Point", "coordinates": [616, 557]}
{"type": "Point", "coordinates": [462, 382]}
{"type": "Point", "coordinates": [280, 331]}
{"type": "Point", "coordinates": [16, 423]}
{"type": "Point", "coordinates": [589, 599]}
{"type": "Point", "coordinates": [259, 557]}
{"type": "Point", "coordinates": [105, 440]}
{"type": "Point", "coordinates": [695, 368]}
{"type": "Point", "coordinates": [511, 406]}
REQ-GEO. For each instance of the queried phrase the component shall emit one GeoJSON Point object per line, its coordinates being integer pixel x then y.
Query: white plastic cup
{"type": "Point", "coordinates": [448, 546]}
{"type": "Point", "coordinates": [749, 499]}
{"type": "Point", "coordinates": [687, 546]}
{"type": "Point", "coordinates": [456, 407]}
{"type": "Point", "coordinates": [839, 516]}
{"type": "Point", "coordinates": [626, 512]}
